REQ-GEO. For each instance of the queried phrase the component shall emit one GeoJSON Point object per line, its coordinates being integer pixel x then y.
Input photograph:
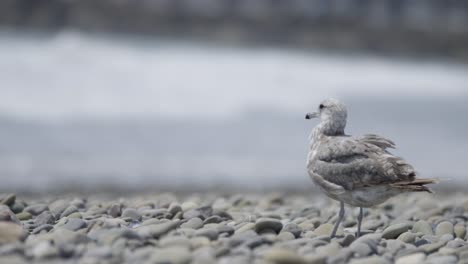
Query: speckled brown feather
{"type": "Point", "coordinates": [416, 185]}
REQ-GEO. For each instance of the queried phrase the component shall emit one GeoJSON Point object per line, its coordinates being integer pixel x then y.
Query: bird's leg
{"type": "Point", "coordinates": [359, 218]}
{"type": "Point", "coordinates": [338, 221]}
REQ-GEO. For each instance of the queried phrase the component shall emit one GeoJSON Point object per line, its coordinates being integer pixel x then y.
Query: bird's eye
{"type": "Point", "coordinates": [321, 106]}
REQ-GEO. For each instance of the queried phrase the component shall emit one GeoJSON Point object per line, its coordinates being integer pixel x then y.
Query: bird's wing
{"type": "Point", "coordinates": [377, 140]}
{"type": "Point", "coordinates": [359, 162]}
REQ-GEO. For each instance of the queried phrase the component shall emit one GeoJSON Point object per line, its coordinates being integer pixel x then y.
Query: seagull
{"type": "Point", "coordinates": [358, 171]}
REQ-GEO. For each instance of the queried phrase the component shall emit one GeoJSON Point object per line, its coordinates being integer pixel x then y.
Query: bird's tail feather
{"type": "Point", "coordinates": [416, 185]}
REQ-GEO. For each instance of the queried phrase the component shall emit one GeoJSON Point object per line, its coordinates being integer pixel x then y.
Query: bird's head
{"type": "Point", "coordinates": [332, 114]}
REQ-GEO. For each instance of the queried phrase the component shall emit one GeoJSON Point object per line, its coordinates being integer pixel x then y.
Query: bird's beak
{"type": "Point", "coordinates": [312, 115]}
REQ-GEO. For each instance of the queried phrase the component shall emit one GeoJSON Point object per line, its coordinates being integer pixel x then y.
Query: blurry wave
{"type": "Point", "coordinates": [74, 75]}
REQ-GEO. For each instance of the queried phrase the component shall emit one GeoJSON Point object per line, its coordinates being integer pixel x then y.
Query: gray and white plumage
{"type": "Point", "coordinates": [359, 171]}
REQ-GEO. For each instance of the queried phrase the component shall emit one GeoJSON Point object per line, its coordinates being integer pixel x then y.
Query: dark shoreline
{"type": "Point", "coordinates": [395, 28]}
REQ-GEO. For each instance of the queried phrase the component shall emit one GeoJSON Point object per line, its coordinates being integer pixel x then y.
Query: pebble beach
{"type": "Point", "coordinates": [229, 228]}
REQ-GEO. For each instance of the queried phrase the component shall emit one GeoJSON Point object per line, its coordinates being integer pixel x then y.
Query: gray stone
{"type": "Point", "coordinates": [213, 219]}
{"type": "Point", "coordinates": [447, 251]}
{"type": "Point", "coordinates": [420, 242]}
{"type": "Point", "coordinates": [316, 258]}
{"type": "Point", "coordinates": [283, 256]}
{"type": "Point", "coordinates": [365, 245]}
{"type": "Point", "coordinates": [457, 244]}
{"type": "Point", "coordinates": [371, 239]}
{"type": "Point", "coordinates": [11, 248]}
{"type": "Point", "coordinates": [446, 238]}
{"type": "Point", "coordinates": [257, 241]}
{"type": "Point", "coordinates": [372, 224]}
{"type": "Point", "coordinates": [293, 228]}
{"type": "Point", "coordinates": [156, 213]}
{"type": "Point", "coordinates": [198, 242]}
{"type": "Point", "coordinates": [70, 210]}
{"type": "Point", "coordinates": [443, 228]}
{"type": "Point", "coordinates": [57, 207]}
{"type": "Point", "coordinates": [346, 240]}
{"type": "Point", "coordinates": [422, 226]}
{"type": "Point", "coordinates": [341, 257]}
{"type": "Point", "coordinates": [285, 236]}
{"type": "Point", "coordinates": [11, 232]}
{"type": "Point", "coordinates": [239, 259]}
{"type": "Point", "coordinates": [324, 229]}
{"type": "Point", "coordinates": [156, 230]}
{"type": "Point", "coordinates": [393, 246]}
{"type": "Point", "coordinates": [173, 255]}
{"type": "Point", "coordinates": [44, 218]}
{"type": "Point", "coordinates": [362, 249]}
{"type": "Point", "coordinates": [41, 228]}
{"type": "Point", "coordinates": [187, 232]}
{"type": "Point", "coordinates": [460, 231]}
{"type": "Point", "coordinates": [23, 216]}
{"type": "Point", "coordinates": [449, 259]}
{"type": "Point", "coordinates": [201, 212]}
{"type": "Point", "coordinates": [78, 202]}
{"type": "Point", "coordinates": [175, 241]}
{"type": "Point", "coordinates": [204, 255]}
{"type": "Point", "coordinates": [109, 236]}
{"type": "Point", "coordinates": [75, 224]}
{"type": "Point", "coordinates": [8, 199]}
{"type": "Point", "coordinates": [329, 250]}
{"type": "Point", "coordinates": [64, 236]}
{"type": "Point", "coordinates": [17, 207]}
{"type": "Point", "coordinates": [14, 259]}
{"type": "Point", "coordinates": [194, 223]}
{"type": "Point", "coordinates": [370, 260]}
{"type": "Point", "coordinates": [36, 209]}
{"type": "Point", "coordinates": [115, 210]}
{"type": "Point", "coordinates": [411, 259]}
{"type": "Point", "coordinates": [100, 253]}
{"type": "Point", "coordinates": [229, 230]}
{"type": "Point", "coordinates": [263, 224]}
{"type": "Point", "coordinates": [323, 237]}
{"type": "Point", "coordinates": [407, 237]}
{"type": "Point", "coordinates": [395, 230]}
{"type": "Point", "coordinates": [174, 208]}
{"type": "Point", "coordinates": [131, 213]}
{"type": "Point", "coordinates": [7, 215]}
{"type": "Point", "coordinates": [75, 215]}
{"type": "Point", "coordinates": [188, 205]}
{"type": "Point", "coordinates": [245, 227]}
{"type": "Point", "coordinates": [239, 238]}
{"type": "Point", "coordinates": [44, 250]}
{"type": "Point", "coordinates": [210, 233]}
{"type": "Point", "coordinates": [463, 253]}
{"type": "Point", "coordinates": [432, 247]}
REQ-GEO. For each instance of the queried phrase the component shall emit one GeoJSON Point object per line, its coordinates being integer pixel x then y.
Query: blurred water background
{"type": "Point", "coordinates": [101, 108]}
